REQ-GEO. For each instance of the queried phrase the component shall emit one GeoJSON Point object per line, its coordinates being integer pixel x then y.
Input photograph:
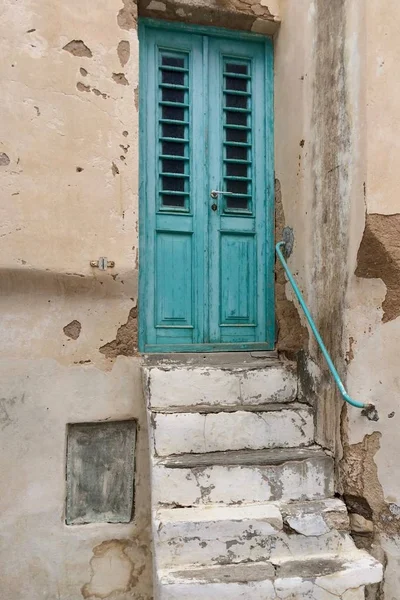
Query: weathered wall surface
{"type": "Point", "coordinates": [316, 146]}
{"type": "Point", "coordinates": [68, 351]}
{"type": "Point", "coordinates": [338, 164]}
{"type": "Point", "coordinates": [370, 467]}
{"type": "Point", "coordinates": [68, 172]}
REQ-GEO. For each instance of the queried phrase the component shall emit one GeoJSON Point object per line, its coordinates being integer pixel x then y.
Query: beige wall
{"type": "Point", "coordinates": [340, 192]}
{"type": "Point", "coordinates": [373, 301]}
{"type": "Point", "coordinates": [68, 170]}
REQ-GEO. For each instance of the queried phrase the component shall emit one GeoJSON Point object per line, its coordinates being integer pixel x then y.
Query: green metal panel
{"type": "Point", "coordinates": [206, 276]}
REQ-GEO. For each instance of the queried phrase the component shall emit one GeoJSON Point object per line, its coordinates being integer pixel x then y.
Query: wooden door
{"type": "Point", "coordinates": [206, 198]}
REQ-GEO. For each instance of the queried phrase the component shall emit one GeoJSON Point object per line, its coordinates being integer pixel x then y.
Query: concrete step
{"type": "Point", "coordinates": [242, 477]}
{"type": "Point", "coordinates": [327, 578]}
{"type": "Point", "coordinates": [215, 535]}
{"type": "Point", "coordinates": [279, 426]}
{"type": "Point", "coordinates": [246, 381]}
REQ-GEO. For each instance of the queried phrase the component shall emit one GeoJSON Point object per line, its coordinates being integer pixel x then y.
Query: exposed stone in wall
{"type": "Point", "coordinates": [125, 342]}
{"type": "Point", "coordinates": [78, 48]}
{"type": "Point", "coordinates": [127, 16]}
{"type": "Point", "coordinates": [120, 78]}
{"type": "Point", "coordinates": [73, 330]}
{"type": "Point", "coordinates": [361, 487]}
{"type": "Point", "coordinates": [123, 52]}
{"type": "Point", "coordinates": [291, 335]}
{"type": "Point", "coordinates": [251, 15]}
{"type": "Point", "coordinates": [4, 159]}
{"type": "Point", "coordinates": [370, 515]}
{"type": "Point", "coordinates": [379, 258]}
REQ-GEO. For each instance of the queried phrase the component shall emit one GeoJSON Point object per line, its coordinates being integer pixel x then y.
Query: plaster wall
{"type": "Point", "coordinates": [370, 465]}
{"type": "Point", "coordinates": [68, 350]}
{"type": "Point", "coordinates": [68, 171]}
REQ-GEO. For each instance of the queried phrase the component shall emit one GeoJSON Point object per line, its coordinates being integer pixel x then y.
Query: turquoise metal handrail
{"type": "Point", "coordinates": [332, 368]}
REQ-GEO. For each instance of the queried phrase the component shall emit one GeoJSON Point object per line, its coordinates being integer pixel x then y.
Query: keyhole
{"type": "Point", "coordinates": [214, 207]}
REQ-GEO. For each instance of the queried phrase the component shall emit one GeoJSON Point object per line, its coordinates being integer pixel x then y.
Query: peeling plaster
{"type": "Point", "coordinates": [123, 52]}
{"type": "Point", "coordinates": [379, 258]}
{"type": "Point", "coordinates": [78, 48]}
{"type": "Point", "coordinates": [291, 335]}
{"type": "Point", "coordinates": [127, 16]}
{"type": "Point", "coordinates": [73, 330]}
{"type": "Point", "coordinates": [118, 566]}
{"type": "Point", "coordinates": [125, 342]}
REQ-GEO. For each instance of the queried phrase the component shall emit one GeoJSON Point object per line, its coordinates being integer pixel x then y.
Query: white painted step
{"type": "Point", "coordinates": [215, 535]}
{"type": "Point", "coordinates": [279, 427]}
{"type": "Point", "coordinates": [242, 477]}
{"type": "Point", "coordinates": [180, 385]}
{"type": "Point", "coordinates": [339, 578]}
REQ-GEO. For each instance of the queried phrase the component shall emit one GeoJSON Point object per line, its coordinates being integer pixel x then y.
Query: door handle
{"type": "Point", "coordinates": [215, 193]}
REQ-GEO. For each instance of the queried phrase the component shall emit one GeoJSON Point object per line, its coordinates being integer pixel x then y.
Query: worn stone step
{"type": "Point", "coordinates": [242, 477]}
{"type": "Point", "coordinates": [253, 532]}
{"type": "Point", "coordinates": [172, 385]}
{"type": "Point", "coordinates": [326, 578]}
{"type": "Point", "coordinates": [281, 427]}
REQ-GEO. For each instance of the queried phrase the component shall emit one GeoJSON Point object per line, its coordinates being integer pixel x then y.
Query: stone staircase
{"type": "Point", "coordinates": [243, 503]}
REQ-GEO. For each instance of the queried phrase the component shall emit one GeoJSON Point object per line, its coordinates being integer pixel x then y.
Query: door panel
{"type": "Point", "coordinates": [206, 278]}
{"type": "Point", "coordinates": [172, 248]}
{"type": "Point", "coordinates": [237, 280]}
{"type": "Point", "coordinates": [237, 172]}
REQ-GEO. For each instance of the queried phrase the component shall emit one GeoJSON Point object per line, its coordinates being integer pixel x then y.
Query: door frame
{"type": "Point", "coordinates": [220, 32]}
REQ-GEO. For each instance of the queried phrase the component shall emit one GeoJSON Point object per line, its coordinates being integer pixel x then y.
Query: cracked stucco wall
{"type": "Point", "coordinates": [373, 300]}
{"type": "Point", "coordinates": [338, 164]}
{"type": "Point", "coordinates": [68, 351]}
{"type": "Point", "coordinates": [316, 146]}
{"type": "Point", "coordinates": [68, 172]}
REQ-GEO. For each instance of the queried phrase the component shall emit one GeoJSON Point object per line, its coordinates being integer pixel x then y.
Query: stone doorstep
{"type": "Point", "coordinates": [242, 477]}
{"type": "Point", "coordinates": [181, 386]}
{"type": "Point", "coordinates": [339, 578]}
{"type": "Point", "coordinates": [218, 535]}
{"type": "Point", "coordinates": [284, 427]}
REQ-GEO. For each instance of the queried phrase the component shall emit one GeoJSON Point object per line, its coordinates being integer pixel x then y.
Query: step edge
{"type": "Point", "coordinates": [346, 560]}
{"type": "Point", "coordinates": [247, 458]}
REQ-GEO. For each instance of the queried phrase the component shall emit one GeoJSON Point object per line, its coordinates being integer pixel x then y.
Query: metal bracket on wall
{"type": "Point", "coordinates": [103, 263]}
{"type": "Point", "coordinates": [288, 239]}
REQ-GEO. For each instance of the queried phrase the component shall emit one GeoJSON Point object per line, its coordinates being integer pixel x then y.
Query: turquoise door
{"type": "Point", "coordinates": [206, 193]}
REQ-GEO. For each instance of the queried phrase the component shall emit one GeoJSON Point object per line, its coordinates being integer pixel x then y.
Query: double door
{"type": "Point", "coordinates": [206, 197]}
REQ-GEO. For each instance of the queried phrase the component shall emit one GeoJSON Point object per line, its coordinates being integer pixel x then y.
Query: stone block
{"type": "Point", "coordinates": [297, 477]}
{"type": "Point", "coordinates": [203, 386]}
{"type": "Point", "coordinates": [178, 433]}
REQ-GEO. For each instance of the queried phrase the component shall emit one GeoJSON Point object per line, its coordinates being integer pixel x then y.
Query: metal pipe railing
{"type": "Point", "coordinates": [368, 407]}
